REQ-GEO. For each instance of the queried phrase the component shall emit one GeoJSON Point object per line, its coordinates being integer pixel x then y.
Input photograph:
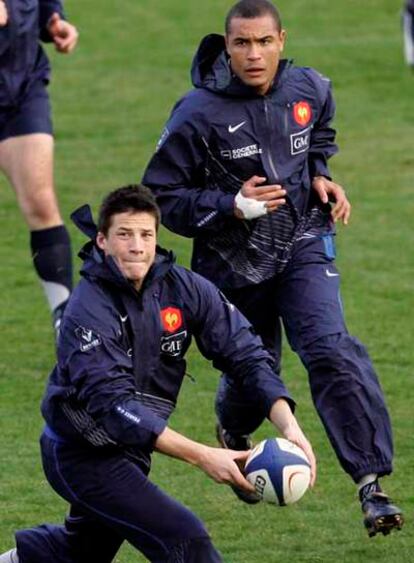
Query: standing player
{"type": "Point", "coordinates": [125, 333]}
{"type": "Point", "coordinates": [26, 141]}
{"type": "Point", "coordinates": [408, 32]}
{"type": "Point", "coordinates": [242, 168]}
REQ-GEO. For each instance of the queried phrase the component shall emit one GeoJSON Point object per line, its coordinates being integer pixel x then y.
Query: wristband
{"type": "Point", "coordinates": [251, 208]}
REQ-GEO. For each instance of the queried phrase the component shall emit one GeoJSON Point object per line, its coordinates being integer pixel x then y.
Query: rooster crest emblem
{"type": "Point", "coordinates": [171, 319]}
{"type": "Point", "coordinates": [302, 113]}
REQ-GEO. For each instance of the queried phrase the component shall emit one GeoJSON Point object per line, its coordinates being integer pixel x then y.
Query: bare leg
{"type": "Point", "coordinates": [27, 161]}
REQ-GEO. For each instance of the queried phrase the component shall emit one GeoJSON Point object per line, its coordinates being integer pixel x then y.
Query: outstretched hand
{"type": "Point", "coordinates": [329, 191]}
{"type": "Point", "coordinates": [64, 35]}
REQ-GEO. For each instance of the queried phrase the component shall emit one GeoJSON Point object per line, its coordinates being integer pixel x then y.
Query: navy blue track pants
{"type": "Point", "coordinates": [344, 386]}
{"type": "Point", "coordinates": [112, 500]}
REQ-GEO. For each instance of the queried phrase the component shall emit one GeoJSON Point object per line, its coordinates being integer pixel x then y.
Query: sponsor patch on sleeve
{"type": "Point", "coordinates": [88, 339]}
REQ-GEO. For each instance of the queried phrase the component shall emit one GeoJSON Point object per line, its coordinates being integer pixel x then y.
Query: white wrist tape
{"type": "Point", "coordinates": [251, 208]}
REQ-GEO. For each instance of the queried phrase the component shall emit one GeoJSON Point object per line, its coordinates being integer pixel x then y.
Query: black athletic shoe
{"type": "Point", "coordinates": [239, 443]}
{"type": "Point", "coordinates": [380, 515]}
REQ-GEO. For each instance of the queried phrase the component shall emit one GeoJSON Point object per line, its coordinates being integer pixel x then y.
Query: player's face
{"type": "Point", "coordinates": [254, 46]}
{"type": "Point", "coordinates": [131, 241]}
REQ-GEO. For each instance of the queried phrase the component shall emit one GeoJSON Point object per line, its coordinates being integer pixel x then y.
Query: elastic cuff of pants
{"type": "Point", "coordinates": [380, 469]}
{"type": "Point", "coordinates": [49, 237]}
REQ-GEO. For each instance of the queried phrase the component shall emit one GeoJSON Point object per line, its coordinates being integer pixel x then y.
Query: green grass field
{"type": "Point", "coordinates": [110, 101]}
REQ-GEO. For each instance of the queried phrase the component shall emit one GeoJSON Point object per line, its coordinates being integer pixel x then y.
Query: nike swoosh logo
{"type": "Point", "coordinates": [123, 319]}
{"type": "Point", "coordinates": [331, 274]}
{"type": "Point", "coordinates": [233, 128]}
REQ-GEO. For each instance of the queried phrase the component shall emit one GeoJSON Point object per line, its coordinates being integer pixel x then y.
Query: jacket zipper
{"type": "Point", "coordinates": [272, 168]}
{"type": "Point", "coordinates": [270, 158]}
{"type": "Point", "coordinates": [151, 370]}
{"type": "Point", "coordinates": [269, 153]}
{"type": "Point", "coordinates": [285, 118]}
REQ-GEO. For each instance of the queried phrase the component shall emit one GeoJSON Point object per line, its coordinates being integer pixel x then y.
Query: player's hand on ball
{"type": "Point", "coordinates": [295, 435]}
{"type": "Point", "coordinates": [224, 466]}
{"type": "Point", "coordinates": [279, 470]}
{"type": "Point", "coordinates": [283, 418]}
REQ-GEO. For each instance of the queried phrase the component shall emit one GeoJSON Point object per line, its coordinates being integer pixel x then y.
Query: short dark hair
{"type": "Point", "coordinates": [250, 9]}
{"type": "Point", "coordinates": [134, 198]}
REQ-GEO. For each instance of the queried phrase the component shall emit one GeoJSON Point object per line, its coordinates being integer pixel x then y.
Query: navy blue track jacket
{"type": "Point", "coordinates": [22, 59]}
{"type": "Point", "coordinates": [219, 135]}
{"type": "Point", "coordinates": [121, 353]}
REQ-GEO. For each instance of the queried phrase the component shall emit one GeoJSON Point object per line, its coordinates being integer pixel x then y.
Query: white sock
{"type": "Point", "coordinates": [370, 478]}
{"type": "Point", "coordinates": [10, 556]}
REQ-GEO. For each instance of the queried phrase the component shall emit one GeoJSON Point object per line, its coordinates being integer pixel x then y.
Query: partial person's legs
{"type": "Point", "coordinates": [408, 32]}
{"type": "Point", "coordinates": [238, 414]}
{"type": "Point", "coordinates": [27, 161]}
{"type": "Point", "coordinates": [115, 500]}
{"type": "Point", "coordinates": [344, 385]}
{"type": "Point", "coordinates": [81, 539]}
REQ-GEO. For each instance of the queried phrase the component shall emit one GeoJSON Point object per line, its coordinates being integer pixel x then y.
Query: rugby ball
{"type": "Point", "coordinates": [279, 470]}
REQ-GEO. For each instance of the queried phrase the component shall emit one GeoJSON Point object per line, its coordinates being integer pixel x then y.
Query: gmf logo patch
{"type": "Point", "coordinates": [299, 142]}
{"type": "Point", "coordinates": [302, 113]}
{"type": "Point", "coordinates": [171, 319]}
